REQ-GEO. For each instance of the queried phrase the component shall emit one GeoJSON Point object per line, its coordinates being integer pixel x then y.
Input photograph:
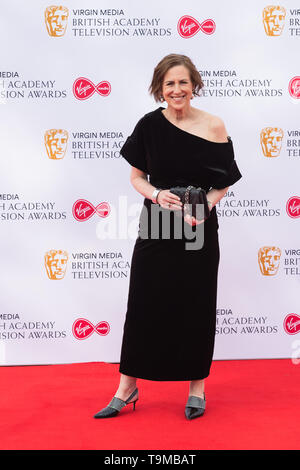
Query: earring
{"type": "Point", "coordinates": [161, 99]}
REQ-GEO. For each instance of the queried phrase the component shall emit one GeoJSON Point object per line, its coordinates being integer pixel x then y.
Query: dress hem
{"type": "Point", "coordinates": [165, 379]}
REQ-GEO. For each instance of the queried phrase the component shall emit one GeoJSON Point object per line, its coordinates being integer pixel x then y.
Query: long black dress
{"type": "Point", "coordinates": [170, 322]}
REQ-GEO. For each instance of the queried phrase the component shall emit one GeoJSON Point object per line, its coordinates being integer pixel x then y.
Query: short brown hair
{"type": "Point", "coordinates": [165, 64]}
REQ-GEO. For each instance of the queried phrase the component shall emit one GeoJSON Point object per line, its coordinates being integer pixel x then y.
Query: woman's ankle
{"type": "Point", "coordinates": [124, 392]}
{"type": "Point", "coordinates": [197, 388]}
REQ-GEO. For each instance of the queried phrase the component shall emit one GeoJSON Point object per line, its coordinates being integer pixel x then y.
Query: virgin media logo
{"type": "Point", "coordinates": [291, 324]}
{"type": "Point", "coordinates": [188, 26]}
{"type": "Point", "coordinates": [83, 88]}
{"type": "Point", "coordinates": [83, 210]}
{"type": "Point", "coordinates": [293, 207]}
{"type": "Point", "coordinates": [294, 87]}
{"type": "Point", "coordinates": [83, 328]}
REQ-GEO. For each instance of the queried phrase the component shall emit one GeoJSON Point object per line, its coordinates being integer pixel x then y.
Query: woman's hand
{"type": "Point", "coordinates": [192, 220]}
{"type": "Point", "coordinates": [168, 200]}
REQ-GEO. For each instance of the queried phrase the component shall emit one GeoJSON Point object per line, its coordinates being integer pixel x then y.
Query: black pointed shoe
{"type": "Point", "coordinates": [195, 407]}
{"type": "Point", "coordinates": [116, 404]}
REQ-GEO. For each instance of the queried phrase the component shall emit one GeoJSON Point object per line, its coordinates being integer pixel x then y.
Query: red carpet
{"type": "Point", "coordinates": [251, 404]}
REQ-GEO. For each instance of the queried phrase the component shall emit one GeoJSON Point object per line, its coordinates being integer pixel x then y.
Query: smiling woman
{"type": "Point", "coordinates": [177, 81]}
{"type": "Point", "coordinates": [161, 75]}
{"type": "Point", "coordinates": [177, 86]}
{"type": "Point", "coordinates": [179, 145]}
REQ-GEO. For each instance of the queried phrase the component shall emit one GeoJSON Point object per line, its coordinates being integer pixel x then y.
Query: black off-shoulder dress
{"type": "Point", "coordinates": [169, 328]}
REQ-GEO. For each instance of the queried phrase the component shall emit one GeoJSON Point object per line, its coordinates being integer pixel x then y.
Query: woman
{"type": "Point", "coordinates": [171, 313]}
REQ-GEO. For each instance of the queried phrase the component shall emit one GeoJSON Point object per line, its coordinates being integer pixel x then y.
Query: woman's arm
{"type": "Point", "coordinates": [139, 181]}
{"type": "Point", "coordinates": [215, 195]}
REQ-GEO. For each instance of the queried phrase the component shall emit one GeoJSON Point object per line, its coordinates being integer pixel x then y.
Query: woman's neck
{"type": "Point", "coordinates": [178, 115]}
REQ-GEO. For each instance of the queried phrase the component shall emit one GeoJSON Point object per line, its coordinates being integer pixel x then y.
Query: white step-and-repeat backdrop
{"type": "Point", "coordinates": [73, 83]}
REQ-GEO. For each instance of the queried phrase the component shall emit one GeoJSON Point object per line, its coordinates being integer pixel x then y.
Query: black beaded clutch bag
{"type": "Point", "coordinates": [191, 199]}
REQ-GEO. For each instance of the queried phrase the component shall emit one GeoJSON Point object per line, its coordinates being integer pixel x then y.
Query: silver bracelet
{"type": "Point", "coordinates": [154, 195]}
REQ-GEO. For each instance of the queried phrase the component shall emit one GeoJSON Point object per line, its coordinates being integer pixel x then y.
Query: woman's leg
{"type": "Point", "coordinates": [126, 387]}
{"type": "Point", "coordinates": [197, 388]}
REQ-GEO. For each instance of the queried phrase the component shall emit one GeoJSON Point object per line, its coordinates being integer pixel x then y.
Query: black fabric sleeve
{"type": "Point", "coordinates": [229, 172]}
{"type": "Point", "coordinates": [233, 174]}
{"type": "Point", "coordinates": [134, 150]}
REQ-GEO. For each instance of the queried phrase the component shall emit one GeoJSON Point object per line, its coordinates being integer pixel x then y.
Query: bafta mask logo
{"type": "Point", "coordinates": [56, 264]}
{"type": "Point", "coordinates": [268, 260]}
{"type": "Point", "coordinates": [273, 20]}
{"type": "Point", "coordinates": [56, 143]}
{"type": "Point", "coordinates": [271, 141]}
{"type": "Point", "coordinates": [56, 19]}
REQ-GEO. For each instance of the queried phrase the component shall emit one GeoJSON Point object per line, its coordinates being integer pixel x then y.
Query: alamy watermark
{"type": "Point", "coordinates": [295, 356]}
{"type": "Point", "coordinates": [154, 222]}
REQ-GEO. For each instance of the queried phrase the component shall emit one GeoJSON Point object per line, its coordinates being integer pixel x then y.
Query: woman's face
{"type": "Point", "coordinates": [177, 87]}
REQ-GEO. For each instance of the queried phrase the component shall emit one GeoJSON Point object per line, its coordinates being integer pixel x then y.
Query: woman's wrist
{"type": "Point", "coordinates": [154, 196]}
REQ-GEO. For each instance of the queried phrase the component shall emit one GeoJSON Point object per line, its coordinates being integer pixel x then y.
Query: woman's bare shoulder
{"type": "Point", "coordinates": [215, 126]}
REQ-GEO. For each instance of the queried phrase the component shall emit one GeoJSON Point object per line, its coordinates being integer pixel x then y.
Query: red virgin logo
{"type": "Point", "coordinates": [83, 210]}
{"type": "Point", "coordinates": [294, 87]}
{"type": "Point", "coordinates": [293, 207]}
{"type": "Point", "coordinates": [188, 26]}
{"type": "Point", "coordinates": [291, 324]}
{"type": "Point", "coordinates": [83, 88]}
{"type": "Point", "coordinates": [83, 328]}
